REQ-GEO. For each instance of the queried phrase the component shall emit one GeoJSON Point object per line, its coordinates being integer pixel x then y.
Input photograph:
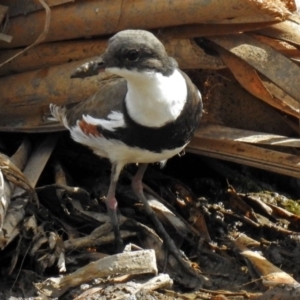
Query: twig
{"type": "Point", "coordinates": [41, 37]}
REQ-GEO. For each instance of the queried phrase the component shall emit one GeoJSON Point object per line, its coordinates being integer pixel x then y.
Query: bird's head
{"type": "Point", "coordinates": [137, 51]}
{"type": "Point", "coordinates": [130, 53]}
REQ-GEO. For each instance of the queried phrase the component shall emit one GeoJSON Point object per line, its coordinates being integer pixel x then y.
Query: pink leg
{"type": "Point", "coordinates": [137, 184]}
{"type": "Point", "coordinates": [112, 205]}
{"type": "Point", "coordinates": [137, 187]}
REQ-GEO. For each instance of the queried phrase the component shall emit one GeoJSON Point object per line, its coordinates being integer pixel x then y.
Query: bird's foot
{"type": "Point", "coordinates": [119, 244]}
{"type": "Point", "coordinates": [112, 213]}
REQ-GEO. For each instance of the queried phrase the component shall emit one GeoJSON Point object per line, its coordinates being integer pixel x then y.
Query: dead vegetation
{"type": "Point", "coordinates": [237, 226]}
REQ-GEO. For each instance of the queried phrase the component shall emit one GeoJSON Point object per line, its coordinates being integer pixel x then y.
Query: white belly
{"type": "Point", "coordinates": [117, 151]}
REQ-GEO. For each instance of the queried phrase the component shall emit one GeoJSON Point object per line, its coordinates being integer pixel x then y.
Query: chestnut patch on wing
{"type": "Point", "coordinates": [88, 128]}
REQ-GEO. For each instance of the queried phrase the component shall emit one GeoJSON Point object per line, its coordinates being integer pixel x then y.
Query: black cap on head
{"type": "Point", "coordinates": [140, 50]}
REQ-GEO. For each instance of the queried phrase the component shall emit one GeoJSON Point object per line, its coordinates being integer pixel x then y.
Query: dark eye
{"type": "Point", "coordinates": [132, 55]}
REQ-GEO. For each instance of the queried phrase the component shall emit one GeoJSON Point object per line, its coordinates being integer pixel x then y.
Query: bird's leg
{"type": "Point", "coordinates": [112, 205]}
{"type": "Point", "coordinates": [137, 187]}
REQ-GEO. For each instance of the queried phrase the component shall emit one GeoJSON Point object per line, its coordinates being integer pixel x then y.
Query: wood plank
{"type": "Point", "coordinates": [253, 137]}
{"type": "Point", "coordinates": [246, 154]}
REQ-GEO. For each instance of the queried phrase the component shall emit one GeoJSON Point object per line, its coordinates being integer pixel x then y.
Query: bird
{"type": "Point", "coordinates": [146, 116]}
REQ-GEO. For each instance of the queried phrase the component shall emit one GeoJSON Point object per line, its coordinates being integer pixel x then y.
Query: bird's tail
{"type": "Point", "coordinates": [59, 114]}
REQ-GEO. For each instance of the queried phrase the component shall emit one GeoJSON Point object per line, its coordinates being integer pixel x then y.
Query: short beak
{"type": "Point", "coordinates": [91, 68]}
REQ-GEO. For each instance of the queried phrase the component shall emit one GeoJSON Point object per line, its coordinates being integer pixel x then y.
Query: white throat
{"type": "Point", "coordinates": [153, 99]}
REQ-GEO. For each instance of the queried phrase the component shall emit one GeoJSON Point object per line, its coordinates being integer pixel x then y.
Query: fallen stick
{"type": "Point", "coordinates": [14, 212]}
{"type": "Point", "coordinates": [10, 218]}
{"type": "Point", "coordinates": [133, 289]}
{"type": "Point", "coordinates": [137, 262]}
{"type": "Point", "coordinates": [38, 160]}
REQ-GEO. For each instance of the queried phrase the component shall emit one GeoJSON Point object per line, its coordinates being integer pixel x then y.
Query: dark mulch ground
{"type": "Point", "coordinates": [186, 182]}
